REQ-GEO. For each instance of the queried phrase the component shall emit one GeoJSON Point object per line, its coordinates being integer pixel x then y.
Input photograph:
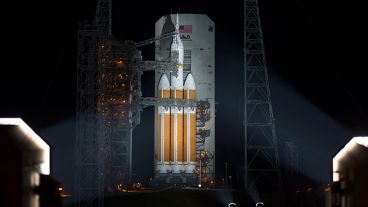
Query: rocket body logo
{"type": "Point", "coordinates": [185, 32]}
{"type": "Point", "coordinates": [185, 37]}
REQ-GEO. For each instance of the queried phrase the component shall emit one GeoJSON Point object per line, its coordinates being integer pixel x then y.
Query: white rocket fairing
{"type": "Point", "coordinates": [177, 55]}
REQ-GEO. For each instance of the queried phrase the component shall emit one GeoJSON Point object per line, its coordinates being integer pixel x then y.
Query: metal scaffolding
{"type": "Point", "coordinates": [204, 158]}
{"type": "Point", "coordinates": [161, 66]}
{"type": "Point", "coordinates": [152, 40]}
{"type": "Point", "coordinates": [109, 104]}
{"type": "Point", "coordinates": [88, 159]}
{"type": "Point", "coordinates": [262, 167]}
{"type": "Point", "coordinates": [118, 108]}
{"type": "Point", "coordinates": [167, 102]}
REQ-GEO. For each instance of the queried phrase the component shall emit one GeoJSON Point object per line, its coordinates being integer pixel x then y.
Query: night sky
{"type": "Point", "coordinates": [316, 55]}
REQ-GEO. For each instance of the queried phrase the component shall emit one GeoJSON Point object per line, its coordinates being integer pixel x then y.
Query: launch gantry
{"type": "Point", "coordinates": [204, 157]}
{"type": "Point", "coordinates": [109, 104]}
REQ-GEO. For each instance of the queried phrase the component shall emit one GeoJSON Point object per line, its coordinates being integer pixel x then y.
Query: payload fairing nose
{"type": "Point", "coordinates": [177, 53]}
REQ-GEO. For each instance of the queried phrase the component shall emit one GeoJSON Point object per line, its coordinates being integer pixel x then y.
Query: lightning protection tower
{"type": "Point", "coordinates": [262, 168]}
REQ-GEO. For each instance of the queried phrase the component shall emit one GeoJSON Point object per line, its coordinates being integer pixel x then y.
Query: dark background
{"type": "Point", "coordinates": [316, 56]}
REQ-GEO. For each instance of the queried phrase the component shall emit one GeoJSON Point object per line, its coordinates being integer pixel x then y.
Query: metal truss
{"type": "Point", "coordinates": [89, 161]}
{"type": "Point", "coordinates": [152, 40]}
{"type": "Point", "coordinates": [89, 158]}
{"type": "Point", "coordinates": [162, 66]}
{"type": "Point", "coordinates": [109, 104]}
{"type": "Point", "coordinates": [204, 158]}
{"type": "Point", "coordinates": [262, 167]}
{"type": "Point", "coordinates": [167, 102]}
{"type": "Point", "coordinates": [118, 105]}
{"type": "Point", "coordinates": [103, 16]}
{"type": "Point", "coordinates": [108, 110]}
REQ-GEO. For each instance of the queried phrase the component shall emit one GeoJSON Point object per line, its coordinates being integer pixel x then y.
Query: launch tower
{"type": "Point", "coordinates": [109, 104]}
{"type": "Point", "coordinates": [262, 167]}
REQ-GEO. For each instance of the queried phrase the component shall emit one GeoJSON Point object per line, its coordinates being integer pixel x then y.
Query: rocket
{"type": "Point", "coordinates": [175, 143]}
{"type": "Point", "coordinates": [177, 55]}
{"type": "Point", "coordinates": [190, 126]}
{"type": "Point", "coordinates": [163, 128]}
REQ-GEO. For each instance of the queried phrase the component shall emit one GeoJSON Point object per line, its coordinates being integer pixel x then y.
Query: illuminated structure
{"type": "Point", "coordinates": [349, 175]}
{"type": "Point", "coordinates": [118, 108]}
{"type": "Point", "coordinates": [185, 136]}
{"type": "Point", "coordinates": [108, 98]}
{"type": "Point", "coordinates": [27, 166]}
{"type": "Point", "coordinates": [109, 104]}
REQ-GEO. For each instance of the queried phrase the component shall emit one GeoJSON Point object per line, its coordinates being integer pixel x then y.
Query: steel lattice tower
{"type": "Point", "coordinates": [88, 160]}
{"type": "Point", "coordinates": [89, 180]}
{"type": "Point", "coordinates": [262, 168]}
{"type": "Point", "coordinates": [109, 103]}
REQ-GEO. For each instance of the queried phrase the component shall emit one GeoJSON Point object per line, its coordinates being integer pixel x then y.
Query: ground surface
{"type": "Point", "coordinates": [179, 198]}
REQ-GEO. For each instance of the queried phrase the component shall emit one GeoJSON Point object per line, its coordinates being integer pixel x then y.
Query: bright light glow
{"type": "Point", "coordinates": [259, 204]}
{"type": "Point", "coordinates": [363, 141]}
{"type": "Point", "coordinates": [231, 204]}
{"type": "Point", "coordinates": [199, 185]}
{"type": "Point", "coordinates": [34, 138]}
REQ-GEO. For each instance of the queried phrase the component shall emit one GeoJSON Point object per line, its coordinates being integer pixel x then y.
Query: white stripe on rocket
{"type": "Point", "coordinates": [188, 111]}
{"type": "Point", "coordinates": [163, 85]}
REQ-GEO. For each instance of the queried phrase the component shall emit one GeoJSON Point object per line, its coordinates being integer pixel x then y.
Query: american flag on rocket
{"type": "Point", "coordinates": [185, 29]}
